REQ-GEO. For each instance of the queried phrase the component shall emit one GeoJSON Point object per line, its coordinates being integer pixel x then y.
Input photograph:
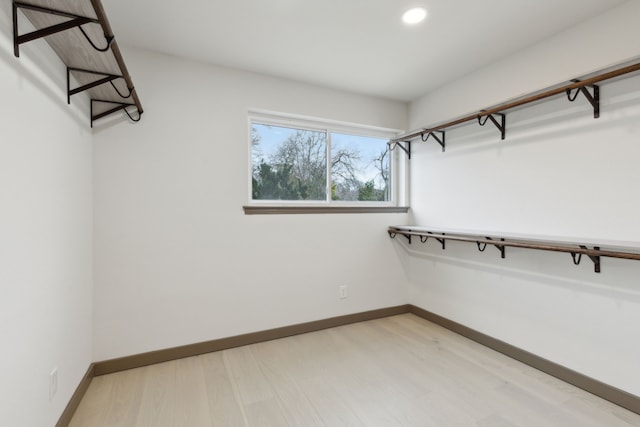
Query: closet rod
{"type": "Point", "coordinates": [522, 101]}
{"type": "Point", "coordinates": [104, 22]}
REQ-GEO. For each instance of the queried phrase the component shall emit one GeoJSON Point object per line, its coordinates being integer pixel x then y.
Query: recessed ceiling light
{"type": "Point", "coordinates": [414, 16]}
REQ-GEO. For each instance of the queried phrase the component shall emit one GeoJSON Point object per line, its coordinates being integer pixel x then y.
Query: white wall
{"type": "Point", "coordinates": [176, 259]}
{"type": "Point", "coordinates": [559, 173]}
{"type": "Point", "coordinates": [45, 233]}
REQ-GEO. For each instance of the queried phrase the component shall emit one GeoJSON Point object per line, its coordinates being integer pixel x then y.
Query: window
{"type": "Point", "coordinates": [307, 161]}
{"type": "Point", "coordinates": [360, 168]}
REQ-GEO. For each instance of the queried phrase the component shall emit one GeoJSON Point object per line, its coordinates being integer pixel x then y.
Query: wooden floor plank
{"type": "Point", "coordinates": [246, 376]}
{"type": "Point", "coordinates": [224, 406]}
{"type": "Point", "coordinates": [126, 396]}
{"type": "Point", "coordinates": [192, 403]}
{"type": "Point", "coordinates": [93, 407]}
{"type": "Point", "coordinates": [157, 407]}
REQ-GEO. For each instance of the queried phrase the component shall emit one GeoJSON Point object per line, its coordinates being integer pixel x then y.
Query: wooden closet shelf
{"type": "Point", "coordinates": [593, 250]}
{"type": "Point", "coordinates": [585, 86]}
{"type": "Point", "coordinates": [80, 34]}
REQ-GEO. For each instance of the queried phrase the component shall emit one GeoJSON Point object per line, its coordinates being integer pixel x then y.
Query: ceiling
{"type": "Point", "coordinates": [355, 45]}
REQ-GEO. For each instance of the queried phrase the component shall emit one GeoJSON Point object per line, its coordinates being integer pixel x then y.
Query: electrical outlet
{"type": "Point", "coordinates": [342, 291]}
{"type": "Point", "coordinates": [53, 383]}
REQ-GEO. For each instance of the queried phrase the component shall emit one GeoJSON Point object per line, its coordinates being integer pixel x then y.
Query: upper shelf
{"type": "Point", "coordinates": [80, 34]}
{"type": "Point", "coordinates": [587, 86]}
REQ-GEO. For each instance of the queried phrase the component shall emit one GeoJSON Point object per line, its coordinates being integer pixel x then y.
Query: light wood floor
{"type": "Point", "coordinates": [397, 371]}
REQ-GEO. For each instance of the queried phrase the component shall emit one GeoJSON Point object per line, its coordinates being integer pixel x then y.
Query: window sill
{"type": "Point", "coordinates": [288, 210]}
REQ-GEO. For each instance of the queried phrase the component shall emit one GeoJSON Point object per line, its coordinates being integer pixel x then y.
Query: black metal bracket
{"type": "Point", "coordinates": [118, 106]}
{"type": "Point", "coordinates": [109, 40]}
{"type": "Point", "coordinates": [501, 126]}
{"type": "Point", "coordinates": [499, 247]}
{"type": "Point", "coordinates": [74, 21]}
{"type": "Point", "coordinates": [440, 141]}
{"type": "Point", "coordinates": [407, 150]}
{"type": "Point", "coordinates": [130, 89]}
{"type": "Point", "coordinates": [483, 245]}
{"type": "Point", "coordinates": [107, 78]}
{"type": "Point", "coordinates": [595, 258]}
{"type": "Point", "coordinates": [408, 236]}
{"type": "Point", "coordinates": [423, 239]}
{"type": "Point", "coordinates": [594, 99]}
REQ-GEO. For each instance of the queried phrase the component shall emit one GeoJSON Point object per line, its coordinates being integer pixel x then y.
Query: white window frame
{"type": "Point", "coordinates": [398, 163]}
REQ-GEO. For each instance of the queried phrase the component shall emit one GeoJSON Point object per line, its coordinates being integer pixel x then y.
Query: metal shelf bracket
{"type": "Point", "coordinates": [440, 140]}
{"type": "Point", "coordinates": [109, 40]}
{"type": "Point", "coordinates": [594, 99]}
{"type": "Point", "coordinates": [483, 245]}
{"type": "Point", "coordinates": [118, 106]}
{"type": "Point", "coordinates": [107, 78]}
{"type": "Point", "coordinates": [74, 21]}
{"type": "Point", "coordinates": [595, 258]}
{"type": "Point", "coordinates": [501, 126]}
{"type": "Point", "coordinates": [407, 149]}
{"type": "Point", "coordinates": [499, 247]}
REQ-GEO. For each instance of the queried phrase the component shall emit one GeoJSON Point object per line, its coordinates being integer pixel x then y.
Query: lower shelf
{"type": "Point", "coordinates": [576, 249]}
